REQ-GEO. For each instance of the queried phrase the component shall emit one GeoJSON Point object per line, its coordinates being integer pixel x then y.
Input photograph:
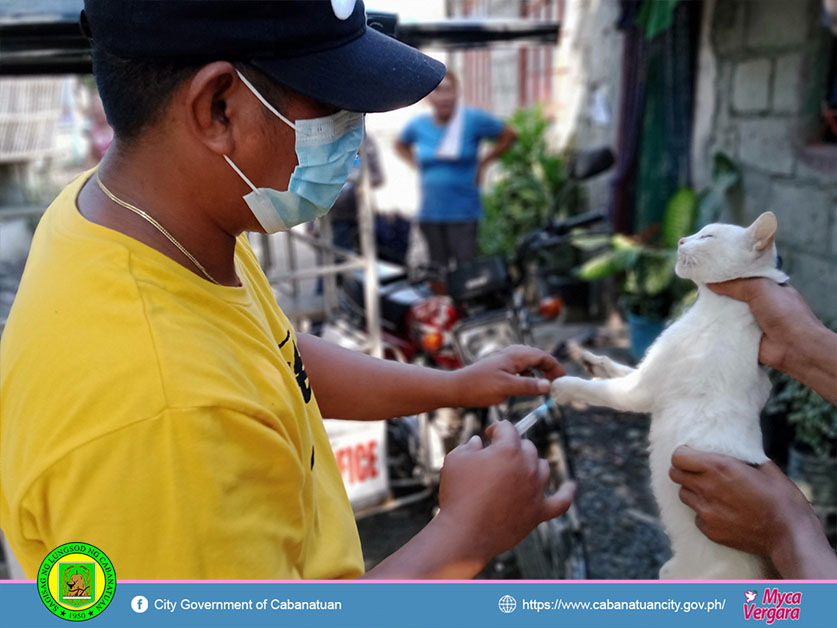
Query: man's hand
{"type": "Point", "coordinates": [497, 377]}
{"type": "Point", "coordinates": [736, 504]}
{"type": "Point", "coordinates": [753, 509]}
{"type": "Point", "coordinates": [497, 492]}
{"type": "Point", "coordinates": [490, 498]}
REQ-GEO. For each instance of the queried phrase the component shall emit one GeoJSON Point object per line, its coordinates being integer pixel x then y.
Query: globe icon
{"type": "Point", "coordinates": [507, 604]}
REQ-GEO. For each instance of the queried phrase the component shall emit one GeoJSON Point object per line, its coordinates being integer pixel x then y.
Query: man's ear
{"type": "Point", "coordinates": [210, 105]}
{"type": "Point", "coordinates": [763, 231]}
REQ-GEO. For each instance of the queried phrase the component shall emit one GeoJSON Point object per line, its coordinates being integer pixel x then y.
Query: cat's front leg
{"type": "Point", "coordinates": [599, 365]}
{"type": "Point", "coordinates": [626, 394]}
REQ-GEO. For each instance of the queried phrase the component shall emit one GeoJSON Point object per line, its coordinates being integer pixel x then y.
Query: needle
{"type": "Point", "coordinates": [527, 422]}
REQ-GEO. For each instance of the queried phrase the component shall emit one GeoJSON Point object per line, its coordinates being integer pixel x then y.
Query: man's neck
{"type": "Point", "coordinates": [164, 191]}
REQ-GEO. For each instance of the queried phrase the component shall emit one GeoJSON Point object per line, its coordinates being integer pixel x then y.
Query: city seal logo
{"type": "Point", "coordinates": [76, 581]}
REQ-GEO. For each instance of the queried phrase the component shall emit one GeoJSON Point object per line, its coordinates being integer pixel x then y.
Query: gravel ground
{"type": "Point", "coordinates": [620, 523]}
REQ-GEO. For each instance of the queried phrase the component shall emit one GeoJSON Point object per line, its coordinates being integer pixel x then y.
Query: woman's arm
{"type": "Point", "coordinates": [352, 385]}
{"type": "Point", "coordinates": [507, 137]}
{"type": "Point", "coordinates": [405, 151]}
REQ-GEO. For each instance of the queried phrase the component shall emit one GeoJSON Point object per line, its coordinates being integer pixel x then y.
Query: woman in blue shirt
{"type": "Point", "coordinates": [444, 145]}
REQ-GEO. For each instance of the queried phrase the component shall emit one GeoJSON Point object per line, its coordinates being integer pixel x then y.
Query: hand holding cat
{"type": "Point", "coordinates": [754, 509]}
{"type": "Point", "coordinates": [794, 340]}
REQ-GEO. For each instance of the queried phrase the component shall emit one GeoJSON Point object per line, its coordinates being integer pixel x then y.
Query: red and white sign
{"type": "Point", "coordinates": [359, 448]}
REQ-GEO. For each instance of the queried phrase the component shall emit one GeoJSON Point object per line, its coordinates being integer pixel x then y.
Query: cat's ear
{"type": "Point", "coordinates": [762, 231]}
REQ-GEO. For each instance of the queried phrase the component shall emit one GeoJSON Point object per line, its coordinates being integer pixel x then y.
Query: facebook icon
{"type": "Point", "coordinates": [139, 604]}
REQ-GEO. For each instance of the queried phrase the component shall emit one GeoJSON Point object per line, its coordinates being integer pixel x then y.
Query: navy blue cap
{"type": "Point", "coordinates": [320, 48]}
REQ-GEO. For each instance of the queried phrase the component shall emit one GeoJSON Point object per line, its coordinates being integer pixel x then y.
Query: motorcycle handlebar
{"type": "Point", "coordinates": [562, 227]}
{"type": "Point", "coordinates": [556, 232]}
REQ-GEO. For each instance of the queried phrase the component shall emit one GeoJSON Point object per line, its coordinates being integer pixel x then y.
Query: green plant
{"type": "Point", "coordinates": [813, 418]}
{"type": "Point", "coordinates": [533, 187]}
{"type": "Point", "coordinates": [646, 262]}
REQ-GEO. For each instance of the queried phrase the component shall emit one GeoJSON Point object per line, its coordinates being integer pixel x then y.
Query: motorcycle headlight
{"type": "Point", "coordinates": [550, 307]}
{"type": "Point", "coordinates": [432, 341]}
{"type": "Point", "coordinates": [486, 334]}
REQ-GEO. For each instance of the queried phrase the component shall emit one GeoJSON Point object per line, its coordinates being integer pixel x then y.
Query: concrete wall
{"type": "Point", "coordinates": [760, 81]}
{"type": "Point", "coordinates": [503, 59]}
{"type": "Point", "coordinates": [586, 86]}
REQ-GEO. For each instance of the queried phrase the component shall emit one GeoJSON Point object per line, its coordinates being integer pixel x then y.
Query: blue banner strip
{"type": "Point", "coordinates": [487, 604]}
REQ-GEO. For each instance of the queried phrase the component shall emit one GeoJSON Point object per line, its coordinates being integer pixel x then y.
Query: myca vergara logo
{"type": "Point", "coordinates": [774, 605]}
{"type": "Point", "coordinates": [76, 581]}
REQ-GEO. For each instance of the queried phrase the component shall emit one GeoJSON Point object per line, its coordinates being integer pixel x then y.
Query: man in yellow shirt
{"type": "Point", "coordinates": [155, 400]}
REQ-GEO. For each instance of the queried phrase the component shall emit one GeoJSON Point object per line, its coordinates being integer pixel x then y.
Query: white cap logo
{"type": "Point", "coordinates": [343, 8]}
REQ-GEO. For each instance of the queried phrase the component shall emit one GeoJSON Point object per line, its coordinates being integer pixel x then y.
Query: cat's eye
{"type": "Point", "coordinates": [706, 235]}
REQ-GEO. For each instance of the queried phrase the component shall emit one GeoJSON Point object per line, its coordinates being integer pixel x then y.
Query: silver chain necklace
{"type": "Point", "coordinates": [157, 225]}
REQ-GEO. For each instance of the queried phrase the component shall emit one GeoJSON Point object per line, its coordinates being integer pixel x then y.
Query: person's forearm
{"type": "Point", "coordinates": [803, 553]}
{"type": "Point", "coordinates": [503, 144]}
{"type": "Point", "coordinates": [405, 152]}
{"type": "Point", "coordinates": [811, 358]}
{"type": "Point", "coordinates": [443, 550]}
{"type": "Point", "coordinates": [352, 385]}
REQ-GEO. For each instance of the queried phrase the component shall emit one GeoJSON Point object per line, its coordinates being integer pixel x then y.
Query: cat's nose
{"type": "Point", "coordinates": [681, 241]}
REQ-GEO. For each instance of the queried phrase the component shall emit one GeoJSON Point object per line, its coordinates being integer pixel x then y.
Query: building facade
{"type": "Point", "coordinates": [766, 69]}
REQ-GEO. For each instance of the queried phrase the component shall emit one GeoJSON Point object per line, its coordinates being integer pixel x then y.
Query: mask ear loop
{"type": "Point", "coordinates": [261, 98]}
{"type": "Point", "coordinates": [241, 174]}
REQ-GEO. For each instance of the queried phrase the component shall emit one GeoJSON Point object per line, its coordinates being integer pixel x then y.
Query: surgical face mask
{"type": "Point", "coordinates": [326, 149]}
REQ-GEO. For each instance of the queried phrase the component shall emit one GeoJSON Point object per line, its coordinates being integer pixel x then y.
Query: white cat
{"type": "Point", "coordinates": [702, 384]}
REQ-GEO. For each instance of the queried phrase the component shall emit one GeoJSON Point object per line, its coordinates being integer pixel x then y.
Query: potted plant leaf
{"type": "Point", "coordinates": [649, 289]}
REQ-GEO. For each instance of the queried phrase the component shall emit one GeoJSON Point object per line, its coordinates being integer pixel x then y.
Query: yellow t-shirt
{"type": "Point", "coordinates": [164, 419]}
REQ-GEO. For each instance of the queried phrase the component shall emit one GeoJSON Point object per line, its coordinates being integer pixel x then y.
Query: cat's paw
{"type": "Point", "coordinates": [561, 390]}
{"type": "Point", "coordinates": [594, 364]}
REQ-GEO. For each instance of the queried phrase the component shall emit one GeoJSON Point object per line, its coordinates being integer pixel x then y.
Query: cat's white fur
{"type": "Point", "coordinates": [702, 384]}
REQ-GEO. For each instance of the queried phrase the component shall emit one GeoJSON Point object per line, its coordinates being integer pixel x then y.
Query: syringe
{"type": "Point", "coordinates": [541, 412]}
